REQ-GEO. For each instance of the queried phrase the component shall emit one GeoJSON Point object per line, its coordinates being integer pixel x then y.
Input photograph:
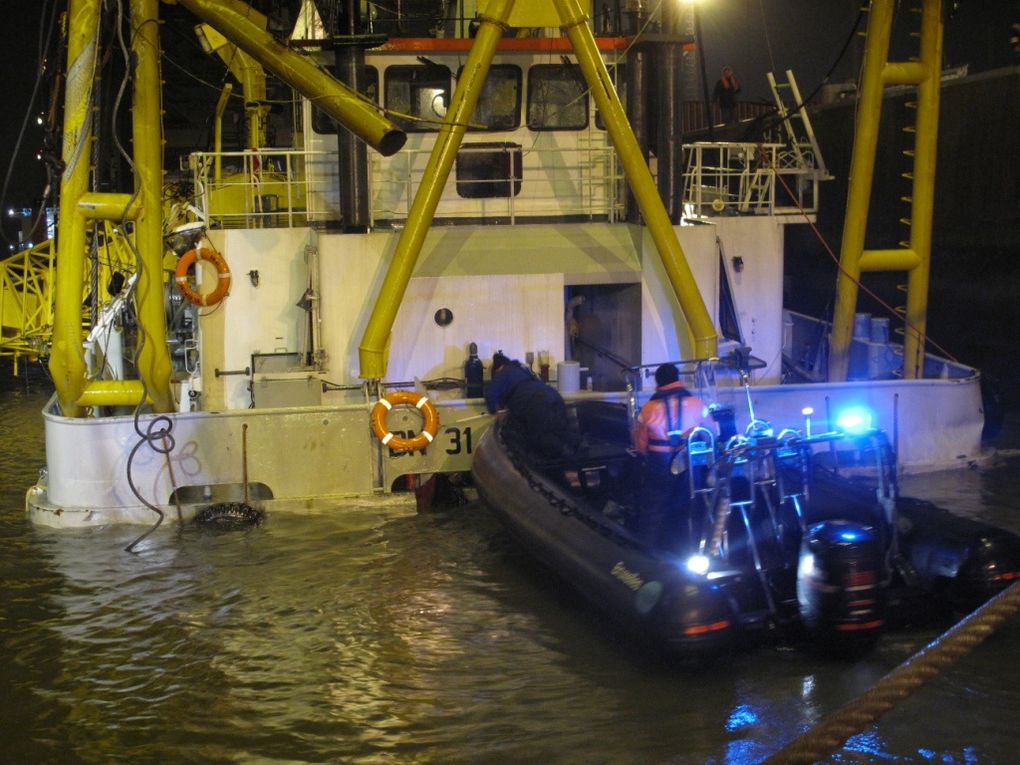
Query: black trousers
{"type": "Point", "coordinates": [538, 414]}
{"type": "Point", "coordinates": [663, 503]}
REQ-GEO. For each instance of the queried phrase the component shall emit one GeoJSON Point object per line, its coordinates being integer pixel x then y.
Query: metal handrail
{"type": "Point", "coordinates": [283, 188]}
{"type": "Point", "coordinates": [740, 178]}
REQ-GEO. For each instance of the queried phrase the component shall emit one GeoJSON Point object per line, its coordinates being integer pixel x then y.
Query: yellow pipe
{"type": "Point", "coordinates": [862, 167]}
{"type": "Point", "coordinates": [113, 393]}
{"type": "Point", "coordinates": [889, 260]}
{"type": "Point", "coordinates": [221, 106]}
{"type": "Point", "coordinates": [923, 188]}
{"type": "Point", "coordinates": [375, 341]}
{"type": "Point", "coordinates": [67, 362]}
{"type": "Point", "coordinates": [153, 360]}
{"type": "Point", "coordinates": [229, 17]}
{"type": "Point", "coordinates": [701, 327]}
{"type": "Point", "coordinates": [248, 72]}
{"type": "Point", "coordinates": [108, 206]}
{"type": "Point", "coordinates": [903, 73]}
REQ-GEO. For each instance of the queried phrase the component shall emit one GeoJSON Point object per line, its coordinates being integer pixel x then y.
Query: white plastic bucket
{"type": "Point", "coordinates": [568, 376]}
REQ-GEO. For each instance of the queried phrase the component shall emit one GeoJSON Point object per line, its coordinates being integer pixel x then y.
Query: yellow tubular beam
{"type": "Point", "coordinates": [862, 167]}
{"type": "Point", "coordinates": [344, 105]}
{"type": "Point", "coordinates": [373, 347]}
{"type": "Point", "coordinates": [106, 206]}
{"type": "Point", "coordinates": [889, 260]}
{"type": "Point", "coordinates": [221, 106]}
{"type": "Point", "coordinates": [903, 73]}
{"type": "Point", "coordinates": [153, 356]}
{"type": "Point", "coordinates": [923, 193]}
{"type": "Point", "coordinates": [249, 73]}
{"type": "Point", "coordinates": [67, 362]}
{"type": "Point", "coordinates": [702, 330]}
{"type": "Point", "coordinates": [112, 393]}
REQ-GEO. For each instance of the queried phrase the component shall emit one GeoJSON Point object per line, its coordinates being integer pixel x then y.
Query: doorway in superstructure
{"type": "Point", "coordinates": [603, 331]}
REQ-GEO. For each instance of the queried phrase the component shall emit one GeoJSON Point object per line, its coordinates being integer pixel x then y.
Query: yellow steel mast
{"type": "Point", "coordinates": [914, 256]}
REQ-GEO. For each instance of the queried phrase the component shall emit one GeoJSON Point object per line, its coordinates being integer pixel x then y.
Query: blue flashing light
{"type": "Point", "coordinates": [850, 535]}
{"type": "Point", "coordinates": [855, 421]}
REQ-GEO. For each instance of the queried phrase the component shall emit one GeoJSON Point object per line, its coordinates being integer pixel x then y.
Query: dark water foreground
{"type": "Point", "coordinates": [380, 636]}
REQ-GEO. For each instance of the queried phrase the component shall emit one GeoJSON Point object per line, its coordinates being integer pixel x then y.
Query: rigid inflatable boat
{"type": "Point", "coordinates": [790, 535]}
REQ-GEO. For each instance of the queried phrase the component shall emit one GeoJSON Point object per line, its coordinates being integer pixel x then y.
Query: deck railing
{"type": "Point", "coordinates": [273, 188]}
{"type": "Point", "coordinates": [730, 178]}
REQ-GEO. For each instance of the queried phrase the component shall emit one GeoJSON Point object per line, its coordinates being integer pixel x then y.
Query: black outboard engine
{"type": "Point", "coordinates": [963, 559]}
{"type": "Point", "coordinates": [841, 586]}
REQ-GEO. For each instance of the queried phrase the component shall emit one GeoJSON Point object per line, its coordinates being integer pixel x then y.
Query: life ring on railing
{"type": "Point", "coordinates": [418, 401]}
{"type": "Point", "coordinates": [181, 276]}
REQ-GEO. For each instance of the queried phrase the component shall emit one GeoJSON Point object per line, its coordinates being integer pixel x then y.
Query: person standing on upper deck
{"type": "Point", "coordinates": [725, 94]}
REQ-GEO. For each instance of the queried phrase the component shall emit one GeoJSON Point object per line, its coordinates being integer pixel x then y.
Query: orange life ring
{"type": "Point", "coordinates": [421, 403]}
{"type": "Point", "coordinates": [181, 276]}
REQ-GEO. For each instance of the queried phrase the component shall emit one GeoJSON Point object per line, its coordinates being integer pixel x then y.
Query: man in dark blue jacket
{"type": "Point", "coordinates": [535, 411]}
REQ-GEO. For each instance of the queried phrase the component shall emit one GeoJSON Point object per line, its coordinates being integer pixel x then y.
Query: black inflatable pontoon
{"type": "Point", "coordinates": [790, 536]}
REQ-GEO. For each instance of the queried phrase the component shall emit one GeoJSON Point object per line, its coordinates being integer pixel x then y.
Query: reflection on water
{"type": "Point", "coordinates": [377, 636]}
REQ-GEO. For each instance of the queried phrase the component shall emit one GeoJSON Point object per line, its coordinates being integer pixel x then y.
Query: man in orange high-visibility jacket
{"type": "Point", "coordinates": [659, 436]}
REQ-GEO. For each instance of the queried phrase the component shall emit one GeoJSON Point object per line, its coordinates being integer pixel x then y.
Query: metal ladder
{"type": "Point", "coordinates": [803, 143]}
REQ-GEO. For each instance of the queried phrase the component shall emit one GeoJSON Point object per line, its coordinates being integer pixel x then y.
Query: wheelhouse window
{"type": "Point", "coordinates": [499, 103]}
{"type": "Point", "coordinates": [489, 170]}
{"type": "Point", "coordinates": [417, 96]}
{"type": "Point", "coordinates": [557, 97]}
{"type": "Point", "coordinates": [322, 123]}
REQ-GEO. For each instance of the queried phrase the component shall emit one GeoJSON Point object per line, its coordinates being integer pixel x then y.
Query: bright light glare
{"type": "Point", "coordinates": [807, 411]}
{"type": "Point", "coordinates": [698, 564]}
{"type": "Point", "coordinates": [806, 568]}
{"type": "Point", "coordinates": [855, 421]}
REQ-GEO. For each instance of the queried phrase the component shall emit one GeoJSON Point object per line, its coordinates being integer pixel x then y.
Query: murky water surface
{"type": "Point", "coordinates": [379, 636]}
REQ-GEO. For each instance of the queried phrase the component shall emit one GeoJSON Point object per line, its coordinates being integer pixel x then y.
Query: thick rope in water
{"type": "Point", "coordinates": [830, 734]}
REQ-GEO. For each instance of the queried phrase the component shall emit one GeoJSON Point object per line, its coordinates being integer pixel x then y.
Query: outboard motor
{"type": "Point", "coordinates": [841, 586]}
{"type": "Point", "coordinates": [963, 559]}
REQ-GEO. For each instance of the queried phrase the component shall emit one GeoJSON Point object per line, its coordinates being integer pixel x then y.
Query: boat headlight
{"type": "Point", "coordinates": [698, 564]}
{"type": "Point", "coordinates": [806, 568]}
{"type": "Point", "coordinates": [855, 421]}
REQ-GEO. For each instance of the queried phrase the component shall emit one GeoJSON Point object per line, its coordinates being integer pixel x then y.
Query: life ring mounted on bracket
{"type": "Point", "coordinates": [222, 271]}
{"type": "Point", "coordinates": [418, 401]}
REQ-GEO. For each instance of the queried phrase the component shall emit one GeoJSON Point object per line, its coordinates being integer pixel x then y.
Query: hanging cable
{"type": "Point", "coordinates": [765, 30]}
{"type": "Point", "coordinates": [43, 51]}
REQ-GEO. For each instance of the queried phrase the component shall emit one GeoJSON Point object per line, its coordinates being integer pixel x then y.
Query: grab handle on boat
{"type": "Point", "coordinates": [224, 372]}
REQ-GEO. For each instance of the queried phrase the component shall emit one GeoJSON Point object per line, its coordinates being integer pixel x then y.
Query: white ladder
{"type": "Point", "coordinates": [804, 148]}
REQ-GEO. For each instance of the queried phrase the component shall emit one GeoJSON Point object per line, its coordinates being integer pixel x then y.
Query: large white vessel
{"type": "Point", "coordinates": [506, 201]}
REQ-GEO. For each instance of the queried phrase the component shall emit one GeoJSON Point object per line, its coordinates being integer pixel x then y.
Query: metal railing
{"type": "Point", "coordinates": [274, 188]}
{"type": "Point", "coordinates": [583, 180]}
{"type": "Point", "coordinates": [731, 178]}
{"type": "Point", "coordinates": [265, 188]}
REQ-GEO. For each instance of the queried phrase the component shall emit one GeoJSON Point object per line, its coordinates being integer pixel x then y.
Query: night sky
{"type": "Point", "coordinates": [753, 36]}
